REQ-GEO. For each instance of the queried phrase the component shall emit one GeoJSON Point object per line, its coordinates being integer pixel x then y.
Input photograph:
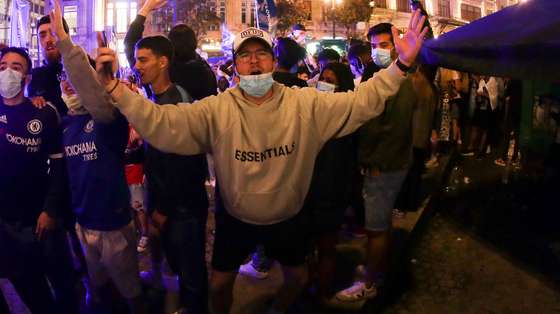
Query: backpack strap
{"type": "Point", "coordinates": [184, 95]}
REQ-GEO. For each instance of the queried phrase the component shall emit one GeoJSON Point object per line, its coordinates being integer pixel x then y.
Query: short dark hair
{"type": "Point", "coordinates": [185, 42]}
{"type": "Point", "coordinates": [357, 50]}
{"type": "Point", "coordinates": [288, 52]}
{"type": "Point", "coordinates": [19, 51]}
{"type": "Point", "coordinates": [45, 19]}
{"type": "Point", "coordinates": [381, 28]}
{"type": "Point", "coordinates": [329, 55]}
{"type": "Point", "coordinates": [159, 45]}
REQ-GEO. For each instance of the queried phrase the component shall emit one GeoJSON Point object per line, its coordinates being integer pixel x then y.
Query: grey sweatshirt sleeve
{"type": "Point", "coordinates": [339, 114]}
{"type": "Point", "coordinates": [183, 129]}
{"type": "Point", "coordinates": [92, 95]}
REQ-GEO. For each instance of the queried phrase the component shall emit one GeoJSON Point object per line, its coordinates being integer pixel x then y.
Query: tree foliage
{"type": "Point", "coordinates": [352, 12]}
{"type": "Point", "coordinates": [289, 12]}
{"type": "Point", "coordinates": [197, 14]}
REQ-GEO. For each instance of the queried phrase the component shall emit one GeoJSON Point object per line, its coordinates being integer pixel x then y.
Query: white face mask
{"type": "Point", "coordinates": [326, 87]}
{"type": "Point", "coordinates": [72, 102]}
{"type": "Point", "coordinates": [256, 85]}
{"type": "Point", "coordinates": [10, 83]}
{"type": "Point", "coordinates": [381, 57]}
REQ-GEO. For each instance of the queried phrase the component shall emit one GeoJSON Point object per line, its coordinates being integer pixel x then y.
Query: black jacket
{"type": "Point", "coordinates": [44, 83]}
{"type": "Point", "coordinates": [331, 184]}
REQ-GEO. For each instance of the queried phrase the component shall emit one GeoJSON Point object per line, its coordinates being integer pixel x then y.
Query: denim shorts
{"type": "Point", "coordinates": [380, 193]}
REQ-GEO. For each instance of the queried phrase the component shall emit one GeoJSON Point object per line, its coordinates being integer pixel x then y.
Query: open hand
{"type": "Point", "coordinates": [409, 45]}
{"type": "Point", "coordinates": [56, 21]}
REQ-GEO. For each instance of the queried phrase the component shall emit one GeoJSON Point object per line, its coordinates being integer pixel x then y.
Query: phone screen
{"type": "Point", "coordinates": [104, 41]}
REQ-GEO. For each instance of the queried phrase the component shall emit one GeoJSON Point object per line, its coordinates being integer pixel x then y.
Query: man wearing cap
{"type": "Point", "coordinates": [264, 138]}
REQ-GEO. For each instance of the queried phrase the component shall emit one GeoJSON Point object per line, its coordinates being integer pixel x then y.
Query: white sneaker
{"type": "Point", "coordinates": [250, 271]}
{"type": "Point", "coordinates": [357, 292]}
{"type": "Point", "coordinates": [142, 244]}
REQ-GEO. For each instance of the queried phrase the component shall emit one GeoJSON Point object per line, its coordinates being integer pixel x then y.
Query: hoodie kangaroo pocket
{"type": "Point", "coordinates": [264, 208]}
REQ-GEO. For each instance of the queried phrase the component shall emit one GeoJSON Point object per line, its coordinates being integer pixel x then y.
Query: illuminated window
{"type": "Point", "coordinates": [99, 16]}
{"type": "Point", "coordinates": [122, 16]}
{"type": "Point", "coordinates": [115, 13]}
{"type": "Point", "coordinates": [243, 13]}
{"type": "Point", "coordinates": [110, 14]}
{"type": "Point", "coordinates": [444, 8]}
{"type": "Point", "coordinates": [470, 13]}
{"type": "Point", "coordinates": [403, 6]}
{"type": "Point", "coordinates": [71, 17]}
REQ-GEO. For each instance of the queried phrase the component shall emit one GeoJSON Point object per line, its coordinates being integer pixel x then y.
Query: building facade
{"type": "Point", "coordinates": [85, 17]}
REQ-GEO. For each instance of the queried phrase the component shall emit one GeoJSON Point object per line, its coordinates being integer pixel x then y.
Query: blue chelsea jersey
{"type": "Point", "coordinates": [94, 153]}
{"type": "Point", "coordinates": [28, 137]}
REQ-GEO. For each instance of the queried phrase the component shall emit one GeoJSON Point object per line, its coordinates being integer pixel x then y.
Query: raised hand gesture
{"type": "Point", "coordinates": [56, 22]}
{"type": "Point", "coordinates": [409, 45]}
{"type": "Point", "coordinates": [105, 55]}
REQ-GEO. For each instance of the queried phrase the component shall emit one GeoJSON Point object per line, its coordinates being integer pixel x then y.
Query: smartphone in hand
{"type": "Point", "coordinates": [107, 66]}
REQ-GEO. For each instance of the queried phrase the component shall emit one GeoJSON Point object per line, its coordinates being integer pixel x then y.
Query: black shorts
{"type": "Point", "coordinates": [285, 242]}
{"type": "Point", "coordinates": [482, 118]}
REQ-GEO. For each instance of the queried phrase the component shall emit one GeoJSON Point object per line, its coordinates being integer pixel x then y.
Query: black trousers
{"type": "Point", "coordinates": [184, 244]}
{"type": "Point", "coordinates": [21, 260]}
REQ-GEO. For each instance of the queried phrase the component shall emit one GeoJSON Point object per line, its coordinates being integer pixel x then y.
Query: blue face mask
{"type": "Point", "coordinates": [381, 57]}
{"type": "Point", "coordinates": [256, 85]}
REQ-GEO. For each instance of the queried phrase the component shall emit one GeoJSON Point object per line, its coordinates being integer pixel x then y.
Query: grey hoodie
{"type": "Point", "coordinates": [264, 154]}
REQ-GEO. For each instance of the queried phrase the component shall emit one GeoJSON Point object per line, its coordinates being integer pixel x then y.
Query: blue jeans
{"type": "Point", "coordinates": [380, 193]}
{"type": "Point", "coordinates": [184, 243]}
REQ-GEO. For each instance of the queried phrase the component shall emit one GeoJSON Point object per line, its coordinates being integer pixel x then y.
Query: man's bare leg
{"type": "Point", "coordinates": [378, 254]}
{"type": "Point", "coordinates": [221, 291]}
{"type": "Point", "coordinates": [295, 278]}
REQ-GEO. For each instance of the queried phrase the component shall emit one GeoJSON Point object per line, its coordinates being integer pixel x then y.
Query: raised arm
{"type": "Point", "coordinates": [340, 114]}
{"type": "Point", "coordinates": [184, 129]}
{"type": "Point", "coordinates": [81, 74]}
{"type": "Point", "coordinates": [136, 28]}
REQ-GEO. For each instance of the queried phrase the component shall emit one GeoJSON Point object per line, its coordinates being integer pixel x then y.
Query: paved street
{"type": "Point", "coordinates": [476, 247]}
{"type": "Point", "coordinates": [454, 271]}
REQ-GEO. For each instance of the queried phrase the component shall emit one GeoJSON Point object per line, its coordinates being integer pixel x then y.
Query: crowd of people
{"type": "Point", "coordinates": [98, 167]}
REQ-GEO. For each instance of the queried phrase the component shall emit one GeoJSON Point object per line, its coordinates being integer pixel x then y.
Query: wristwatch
{"type": "Point", "coordinates": [402, 66]}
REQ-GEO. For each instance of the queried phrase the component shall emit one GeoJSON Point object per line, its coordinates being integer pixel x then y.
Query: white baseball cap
{"type": "Point", "coordinates": [250, 33]}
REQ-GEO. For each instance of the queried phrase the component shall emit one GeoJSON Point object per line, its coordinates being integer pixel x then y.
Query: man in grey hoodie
{"type": "Point", "coordinates": [264, 138]}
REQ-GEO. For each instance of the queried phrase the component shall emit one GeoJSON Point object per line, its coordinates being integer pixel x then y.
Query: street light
{"type": "Point", "coordinates": [333, 6]}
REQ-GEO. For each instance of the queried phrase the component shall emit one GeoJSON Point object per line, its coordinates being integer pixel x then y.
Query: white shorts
{"type": "Point", "coordinates": [112, 255]}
